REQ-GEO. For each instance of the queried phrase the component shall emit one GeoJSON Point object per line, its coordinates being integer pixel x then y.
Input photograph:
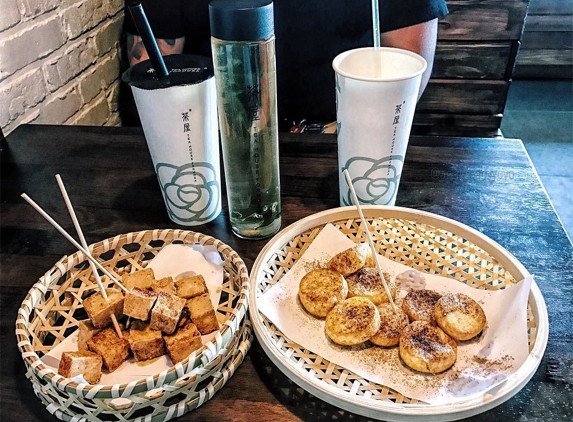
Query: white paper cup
{"type": "Point", "coordinates": [181, 129]}
{"type": "Point", "coordinates": [376, 95]}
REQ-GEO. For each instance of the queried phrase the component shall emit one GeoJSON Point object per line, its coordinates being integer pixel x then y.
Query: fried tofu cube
{"type": "Point", "coordinates": [100, 310]}
{"type": "Point", "coordinates": [86, 330]}
{"type": "Point", "coordinates": [166, 312]}
{"type": "Point", "coordinates": [87, 364]}
{"type": "Point", "coordinates": [202, 314]}
{"type": "Point", "coordinates": [166, 285]}
{"type": "Point", "coordinates": [138, 303]}
{"type": "Point", "coordinates": [180, 344]}
{"type": "Point", "coordinates": [143, 279]}
{"type": "Point", "coordinates": [145, 343]}
{"type": "Point", "coordinates": [191, 286]}
{"type": "Point", "coordinates": [112, 349]}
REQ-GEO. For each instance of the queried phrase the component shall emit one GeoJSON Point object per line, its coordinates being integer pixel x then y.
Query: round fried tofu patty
{"type": "Point", "coordinates": [351, 260]}
{"type": "Point", "coordinates": [352, 321]}
{"type": "Point", "coordinates": [459, 316]}
{"type": "Point", "coordinates": [419, 305]}
{"type": "Point", "coordinates": [367, 283]}
{"type": "Point", "coordinates": [426, 348]}
{"type": "Point", "coordinates": [320, 290]}
{"type": "Point", "coordinates": [391, 326]}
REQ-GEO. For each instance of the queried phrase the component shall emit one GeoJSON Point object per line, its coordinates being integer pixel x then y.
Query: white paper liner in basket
{"type": "Point", "coordinates": [481, 364]}
{"type": "Point", "coordinates": [34, 325]}
{"type": "Point", "coordinates": [416, 239]}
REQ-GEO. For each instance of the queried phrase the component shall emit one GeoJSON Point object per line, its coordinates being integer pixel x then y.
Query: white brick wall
{"type": "Point", "coordinates": [59, 62]}
{"type": "Point", "coordinates": [10, 15]}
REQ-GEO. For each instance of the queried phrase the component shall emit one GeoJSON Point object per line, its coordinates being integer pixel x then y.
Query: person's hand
{"type": "Point", "coordinates": [136, 50]}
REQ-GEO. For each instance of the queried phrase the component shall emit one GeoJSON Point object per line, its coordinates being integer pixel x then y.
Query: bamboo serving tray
{"type": "Point", "coordinates": [53, 307]}
{"type": "Point", "coordinates": [420, 240]}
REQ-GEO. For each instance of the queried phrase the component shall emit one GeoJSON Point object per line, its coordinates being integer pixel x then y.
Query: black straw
{"type": "Point", "coordinates": [142, 25]}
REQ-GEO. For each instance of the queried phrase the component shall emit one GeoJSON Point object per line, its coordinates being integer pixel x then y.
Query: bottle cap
{"type": "Point", "coordinates": [241, 20]}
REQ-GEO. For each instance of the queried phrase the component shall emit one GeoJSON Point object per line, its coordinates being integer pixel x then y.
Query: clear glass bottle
{"type": "Point", "coordinates": [244, 60]}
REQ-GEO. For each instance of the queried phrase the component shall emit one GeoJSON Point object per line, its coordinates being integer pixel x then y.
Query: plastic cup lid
{"type": "Point", "coordinates": [184, 69]}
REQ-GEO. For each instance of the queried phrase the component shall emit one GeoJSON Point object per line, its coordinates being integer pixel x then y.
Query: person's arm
{"type": "Point", "coordinates": [420, 38]}
{"type": "Point", "coordinates": [136, 50]}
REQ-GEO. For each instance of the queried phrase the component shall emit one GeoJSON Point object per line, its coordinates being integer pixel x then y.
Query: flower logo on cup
{"type": "Point", "coordinates": [375, 181]}
{"type": "Point", "coordinates": [192, 193]}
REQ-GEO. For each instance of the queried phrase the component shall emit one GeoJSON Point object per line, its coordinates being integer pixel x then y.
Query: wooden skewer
{"type": "Point", "coordinates": [71, 240]}
{"type": "Point", "coordinates": [85, 245]}
{"type": "Point", "coordinates": [369, 237]}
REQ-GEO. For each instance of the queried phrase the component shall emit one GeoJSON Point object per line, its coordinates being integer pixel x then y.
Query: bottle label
{"type": "Point", "coordinates": [254, 109]}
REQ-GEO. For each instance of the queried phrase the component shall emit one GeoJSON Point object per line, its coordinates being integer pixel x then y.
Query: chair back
{"type": "Point", "coordinates": [475, 56]}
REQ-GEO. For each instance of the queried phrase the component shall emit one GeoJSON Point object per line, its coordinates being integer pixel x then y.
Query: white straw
{"type": "Point", "coordinates": [370, 241]}
{"type": "Point", "coordinates": [376, 34]}
{"type": "Point", "coordinates": [71, 239]}
{"type": "Point", "coordinates": [376, 24]}
{"type": "Point", "coordinates": [85, 245]}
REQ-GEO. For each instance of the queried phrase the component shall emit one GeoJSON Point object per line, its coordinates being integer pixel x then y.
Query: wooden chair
{"type": "Point", "coordinates": [475, 56]}
{"type": "Point", "coordinates": [546, 50]}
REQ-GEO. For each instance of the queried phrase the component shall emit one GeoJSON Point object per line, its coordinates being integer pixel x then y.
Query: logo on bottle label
{"type": "Point", "coordinates": [254, 113]}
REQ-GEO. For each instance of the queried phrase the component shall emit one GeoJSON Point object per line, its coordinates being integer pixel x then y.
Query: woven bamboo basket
{"type": "Point", "coordinates": [51, 311]}
{"type": "Point", "coordinates": [420, 240]}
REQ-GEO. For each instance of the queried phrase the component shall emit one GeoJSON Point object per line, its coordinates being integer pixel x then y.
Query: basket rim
{"type": "Point", "coordinates": [382, 408]}
{"type": "Point", "coordinates": [235, 359]}
{"type": "Point", "coordinates": [201, 357]}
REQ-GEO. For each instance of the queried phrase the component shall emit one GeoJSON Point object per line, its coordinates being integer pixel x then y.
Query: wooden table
{"type": "Point", "coordinates": [488, 184]}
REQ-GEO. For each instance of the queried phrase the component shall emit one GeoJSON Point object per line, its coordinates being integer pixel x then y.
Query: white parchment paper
{"type": "Point", "coordinates": [483, 363]}
{"type": "Point", "coordinates": [177, 261]}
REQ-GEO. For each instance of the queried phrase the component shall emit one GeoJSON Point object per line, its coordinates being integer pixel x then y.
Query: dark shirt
{"type": "Point", "coordinates": [309, 35]}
